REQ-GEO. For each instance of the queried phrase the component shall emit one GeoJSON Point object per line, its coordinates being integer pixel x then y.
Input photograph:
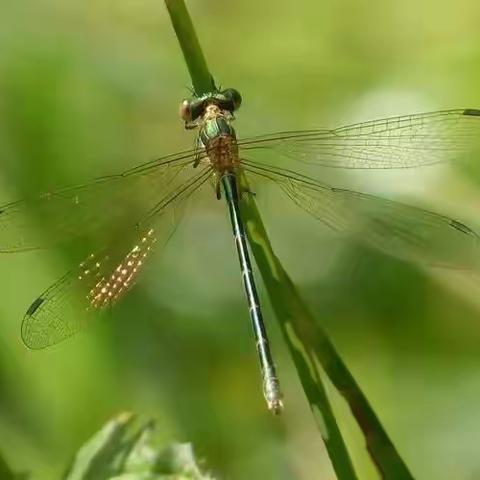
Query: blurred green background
{"type": "Point", "coordinates": [90, 88]}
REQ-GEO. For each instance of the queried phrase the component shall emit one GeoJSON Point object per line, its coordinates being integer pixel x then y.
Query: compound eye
{"type": "Point", "coordinates": [234, 97]}
{"type": "Point", "coordinates": [185, 111]}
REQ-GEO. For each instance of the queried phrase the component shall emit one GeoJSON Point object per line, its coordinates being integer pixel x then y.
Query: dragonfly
{"type": "Point", "coordinates": [163, 187]}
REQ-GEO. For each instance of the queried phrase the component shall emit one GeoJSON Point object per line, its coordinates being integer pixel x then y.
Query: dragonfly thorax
{"type": "Point", "coordinates": [217, 137]}
{"type": "Point", "coordinates": [212, 114]}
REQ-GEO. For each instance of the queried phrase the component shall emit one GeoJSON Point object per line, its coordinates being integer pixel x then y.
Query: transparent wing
{"type": "Point", "coordinates": [394, 228]}
{"type": "Point", "coordinates": [90, 209]}
{"type": "Point", "coordinates": [102, 279]}
{"type": "Point", "coordinates": [396, 142]}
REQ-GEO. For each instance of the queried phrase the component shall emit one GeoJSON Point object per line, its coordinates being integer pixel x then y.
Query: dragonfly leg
{"type": "Point", "coordinates": [246, 191]}
{"type": "Point", "coordinates": [198, 148]}
{"type": "Point", "coordinates": [190, 125]}
{"type": "Point", "coordinates": [196, 160]}
{"type": "Point", "coordinates": [242, 190]}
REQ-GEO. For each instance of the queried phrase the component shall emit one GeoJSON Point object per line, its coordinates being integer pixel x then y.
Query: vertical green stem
{"type": "Point", "coordinates": [197, 66]}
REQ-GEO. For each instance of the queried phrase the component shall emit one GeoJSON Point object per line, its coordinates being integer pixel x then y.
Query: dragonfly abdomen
{"type": "Point", "coordinates": [222, 153]}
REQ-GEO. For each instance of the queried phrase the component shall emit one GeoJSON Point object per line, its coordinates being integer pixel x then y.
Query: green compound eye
{"type": "Point", "coordinates": [234, 97]}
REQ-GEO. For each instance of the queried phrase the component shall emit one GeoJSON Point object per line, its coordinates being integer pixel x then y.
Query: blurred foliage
{"type": "Point", "coordinates": [93, 88]}
{"type": "Point", "coordinates": [123, 451]}
{"type": "Point", "coordinates": [7, 474]}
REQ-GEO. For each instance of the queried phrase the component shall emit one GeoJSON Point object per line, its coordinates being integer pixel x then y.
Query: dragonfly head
{"type": "Point", "coordinates": [193, 109]}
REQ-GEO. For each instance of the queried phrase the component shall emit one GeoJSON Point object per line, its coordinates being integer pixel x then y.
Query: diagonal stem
{"type": "Point", "coordinates": [300, 327]}
{"type": "Point", "coordinates": [202, 79]}
{"type": "Point", "coordinates": [306, 339]}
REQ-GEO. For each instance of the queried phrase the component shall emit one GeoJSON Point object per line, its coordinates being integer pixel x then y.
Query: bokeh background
{"type": "Point", "coordinates": [90, 88]}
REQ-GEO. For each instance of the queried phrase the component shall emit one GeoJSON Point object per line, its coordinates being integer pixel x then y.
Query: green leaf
{"type": "Point", "coordinates": [123, 451]}
{"type": "Point", "coordinates": [179, 458]}
{"type": "Point", "coordinates": [104, 454]}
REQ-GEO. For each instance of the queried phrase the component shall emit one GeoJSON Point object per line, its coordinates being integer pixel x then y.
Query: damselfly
{"type": "Point", "coordinates": [102, 278]}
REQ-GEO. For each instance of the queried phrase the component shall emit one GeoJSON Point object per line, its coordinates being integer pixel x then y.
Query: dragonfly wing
{"type": "Point", "coordinates": [88, 210]}
{"type": "Point", "coordinates": [394, 228]}
{"type": "Point", "coordinates": [102, 279]}
{"type": "Point", "coordinates": [396, 142]}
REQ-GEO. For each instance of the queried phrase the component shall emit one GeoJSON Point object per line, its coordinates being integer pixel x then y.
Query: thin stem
{"type": "Point", "coordinates": [202, 79]}
{"type": "Point", "coordinates": [299, 326]}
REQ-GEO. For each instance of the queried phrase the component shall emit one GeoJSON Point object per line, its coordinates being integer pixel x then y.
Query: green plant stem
{"type": "Point", "coordinates": [202, 80]}
{"type": "Point", "coordinates": [308, 342]}
{"type": "Point", "coordinates": [296, 321]}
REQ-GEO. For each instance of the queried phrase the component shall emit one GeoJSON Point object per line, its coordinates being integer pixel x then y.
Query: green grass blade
{"type": "Point", "coordinates": [310, 346]}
